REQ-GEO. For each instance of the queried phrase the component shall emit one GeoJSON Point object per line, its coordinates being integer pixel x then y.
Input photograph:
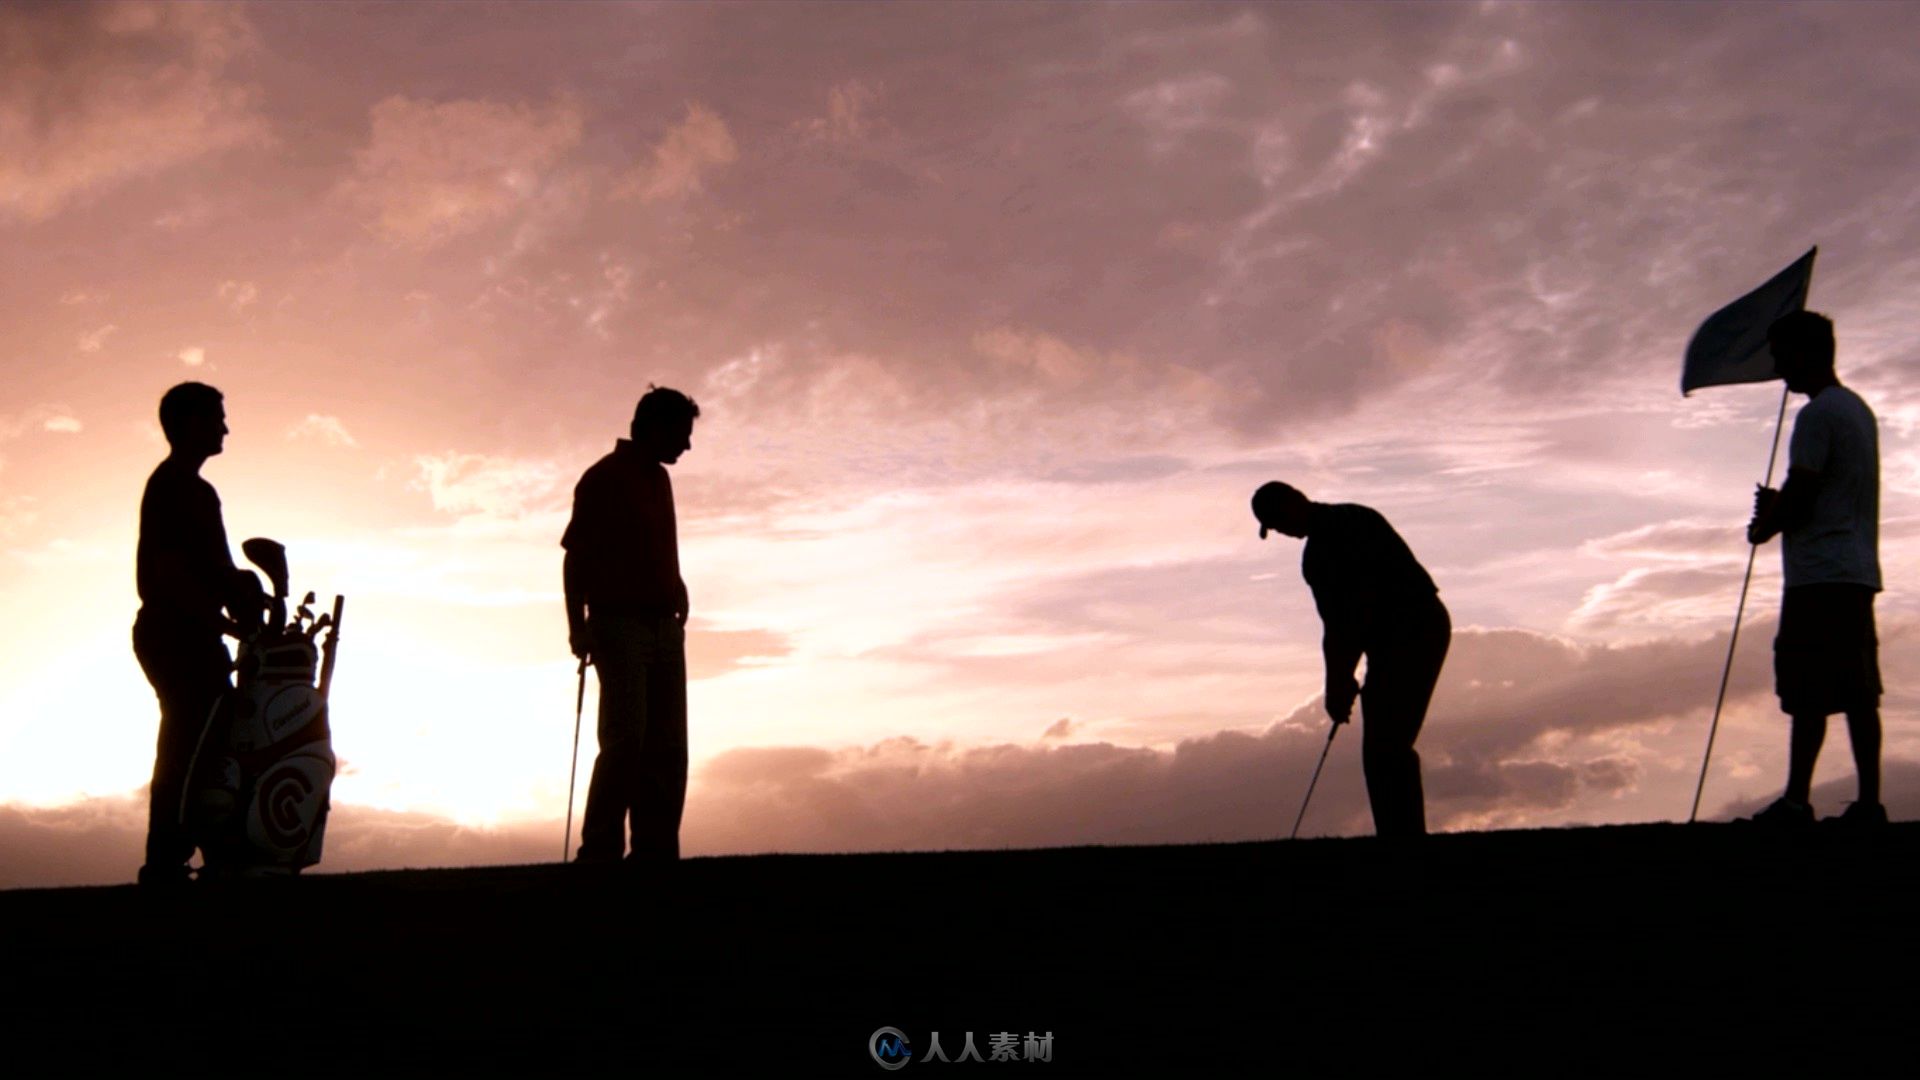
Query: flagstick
{"type": "Point", "coordinates": [1733, 640]}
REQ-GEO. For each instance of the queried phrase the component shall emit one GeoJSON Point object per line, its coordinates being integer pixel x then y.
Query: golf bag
{"type": "Point", "coordinates": [257, 798]}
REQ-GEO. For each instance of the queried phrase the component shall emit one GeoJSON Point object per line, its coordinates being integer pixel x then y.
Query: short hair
{"type": "Point", "coordinates": [1273, 495]}
{"type": "Point", "coordinates": [1806, 332]}
{"type": "Point", "coordinates": [186, 402]}
{"type": "Point", "coordinates": [660, 406]}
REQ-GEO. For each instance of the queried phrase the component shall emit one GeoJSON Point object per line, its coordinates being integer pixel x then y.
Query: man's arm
{"type": "Point", "coordinates": [1342, 656]}
{"type": "Point", "coordinates": [580, 540]}
{"type": "Point", "coordinates": [579, 637]}
{"type": "Point", "coordinates": [1343, 618]}
{"type": "Point", "coordinates": [176, 587]}
{"type": "Point", "coordinates": [1776, 512]}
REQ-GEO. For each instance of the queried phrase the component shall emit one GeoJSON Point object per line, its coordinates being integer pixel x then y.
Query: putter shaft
{"type": "Point", "coordinates": [1311, 784]}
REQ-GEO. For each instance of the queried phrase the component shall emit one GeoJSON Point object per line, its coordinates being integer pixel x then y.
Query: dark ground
{"type": "Point", "coordinates": [1618, 950]}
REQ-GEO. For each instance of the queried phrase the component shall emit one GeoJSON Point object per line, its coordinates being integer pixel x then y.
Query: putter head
{"type": "Point", "coordinates": [271, 557]}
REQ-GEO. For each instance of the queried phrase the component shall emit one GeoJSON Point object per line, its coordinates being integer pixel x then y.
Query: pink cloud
{"type": "Point", "coordinates": [433, 170]}
{"type": "Point", "coordinates": [92, 96]}
{"type": "Point", "coordinates": [850, 117]}
{"type": "Point", "coordinates": [682, 160]}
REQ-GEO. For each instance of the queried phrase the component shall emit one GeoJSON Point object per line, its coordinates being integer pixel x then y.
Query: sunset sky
{"type": "Point", "coordinates": [996, 315]}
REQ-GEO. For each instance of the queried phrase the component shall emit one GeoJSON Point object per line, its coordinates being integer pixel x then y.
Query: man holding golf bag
{"type": "Point", "coordinates": [626, 615]}
{"type": "Point", "coordinates": [184, 571]}
{"type": "Point", "coordinates": [1376, 600]}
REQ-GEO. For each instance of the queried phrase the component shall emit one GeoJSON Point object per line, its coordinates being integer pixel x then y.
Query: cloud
{"type": "Point", "coordinates": [1660, 598]}
{"type": "Point", "coordinates": [1526, 729]}
{"type": "Point", "coordinates": [434, 170]}
{"type": "Point", "coordinates": [100, 841]}
{"type": "Point", "coordinates": [92, 96]}
{"type": "Point", "coordinates": [237, 294]}
{"type": "Point", "coordinates": [57, 419]}
{"type": "Point", "coordinates": [1684, 540]}
{"type": "Point", "coordinates": [93, 340]}
{"type": "Point", "coordinates": [682, 160]}
{"type": "Point", "coordinates": [712, 652]}
{"type": "Point", "coordinates": [1523, 726]}
{"type": "Point", "coordinates": [969, 801]}
{"type": "Point", "coordinates": [484, 485]}
{"type": "Point", "coordinates": [616, 284]}
{"type": "Point", "coordinates": [1172, 107]}
{"type": "Point", "coordinates": [1899, 782]}
{"type": "Point", "coordinates": [95, 841]}
{"type": "Point", "coordinates": [66, 556]}
{"type": "Point", "coordinates": [849, 117]}
{"type": "Point", "coordinates": [192, 355]}
{"type": "Point", "coordinates": [326, 429]}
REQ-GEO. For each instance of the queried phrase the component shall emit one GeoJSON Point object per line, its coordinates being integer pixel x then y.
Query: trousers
{"type": "Point", "coordinates": [189, 672]}
{"type": "Point", "coordinates": [1403, 665]}
{"type": "Point", "coordinates": [640, 774]}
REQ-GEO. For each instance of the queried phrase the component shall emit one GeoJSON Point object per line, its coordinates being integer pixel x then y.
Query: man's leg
{"type": "Point", "coordinates": [1803, 752]}
{"type": "Point", "coordinates": [662, 794]}
{"type": "Point", "coordinates": [188, 678]}
{"type": "Point", "coordinates": [1863, 729]}
{"type": "Point", "coordinates": [1799, 678]}
{"type": "Point", "coordinates": [1392, 766]}
{"type": "Point", "coordinates": [621, 730]}
{"type": "Point", "coordinates": [1864, 689]}
{"type": "Point", "coordinates": [1826, 660]}
{"type": "Point", "coordinates": [1400, 682]}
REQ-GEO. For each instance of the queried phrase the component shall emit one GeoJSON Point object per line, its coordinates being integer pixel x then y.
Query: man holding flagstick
{"type": "Point", "coordinates": [1827, 514]}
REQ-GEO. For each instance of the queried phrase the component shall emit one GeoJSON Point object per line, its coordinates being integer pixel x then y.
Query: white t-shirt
{"type": "Point", "coordinates": [1835, 435]}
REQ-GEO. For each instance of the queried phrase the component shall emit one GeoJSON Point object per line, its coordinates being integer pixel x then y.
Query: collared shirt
{"type": "Point", "coordinates": [182, 565]}
{"type": "Point", "coordinates": [1359, 570]}
{"type": "Point", "coordinates": [623, 535]}
{"type": "Point", "coordinates": [1835, 435]}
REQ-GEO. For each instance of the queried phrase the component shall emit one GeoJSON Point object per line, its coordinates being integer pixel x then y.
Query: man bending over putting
{"type": "Point", "coordinates": [1377, 601]}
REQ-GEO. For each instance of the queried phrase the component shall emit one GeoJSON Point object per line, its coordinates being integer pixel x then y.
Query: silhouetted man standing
{"type": "Point", "coordinates": [627, 614]}
{"type": "Point", "coordinates": [1375, 600]}
{"type": "Point", "coordinates": [1826, 657]}
{"type": "Point", "coordinates": [184, 570]}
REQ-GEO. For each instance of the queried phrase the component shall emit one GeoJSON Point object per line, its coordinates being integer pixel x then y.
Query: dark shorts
{"type": "Point", "coordinates": [1826, 658]}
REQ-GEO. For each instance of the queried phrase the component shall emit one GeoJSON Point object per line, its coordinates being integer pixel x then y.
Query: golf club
{"type": "Point", "coordinates": [573, 764]}
{"type": "Point", "coordinates": [1311, 784]}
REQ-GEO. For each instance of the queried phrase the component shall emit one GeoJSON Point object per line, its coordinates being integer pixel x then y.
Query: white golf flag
{"type": "Point", "coordinates": [1731, 346]}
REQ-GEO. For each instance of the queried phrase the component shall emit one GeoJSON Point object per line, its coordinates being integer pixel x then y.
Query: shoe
{"type": "Point", "coordinates": [653, 864]}
{"type": "Point", "coordinates": [1784, 815]}
{"type": "Point", "coordinates": [1859, 817]}
{"type": "Point", "coordinates": [164, 877]}
{"type": "Point", "coordinates": [587, 856]}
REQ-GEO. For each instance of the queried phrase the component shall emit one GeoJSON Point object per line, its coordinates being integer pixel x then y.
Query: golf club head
{"type": "Point", "coordinates": [246, 603]}
{"type": "Point", "coordinates": [271, 557]}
